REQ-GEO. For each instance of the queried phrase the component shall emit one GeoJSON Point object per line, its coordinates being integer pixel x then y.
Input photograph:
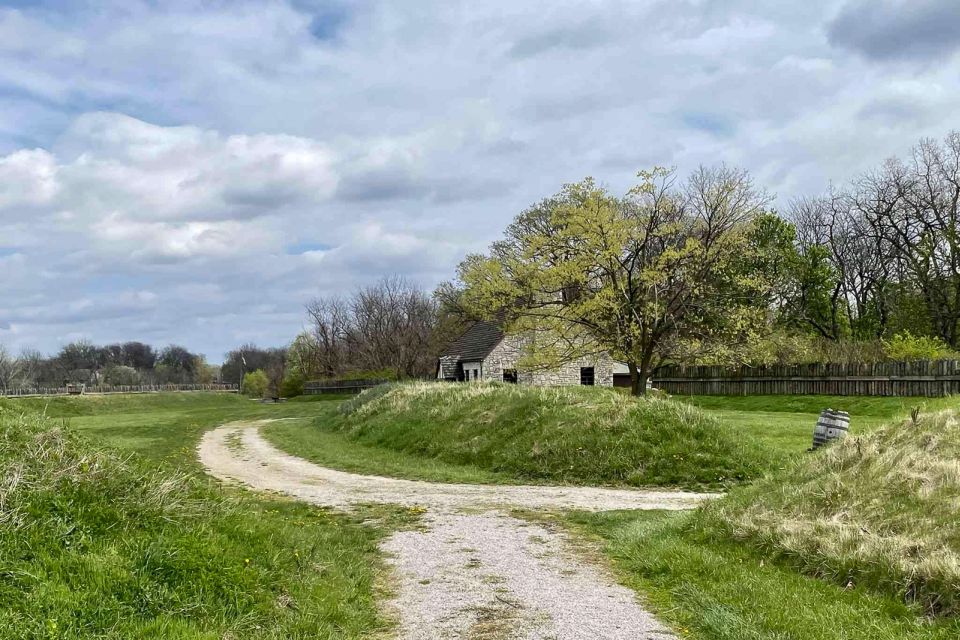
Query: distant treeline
{"type": "Point", "coordinates": [82, 362]}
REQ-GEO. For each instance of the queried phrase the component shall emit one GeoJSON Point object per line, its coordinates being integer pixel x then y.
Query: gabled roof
{"type": "Point", "coordinates": [476, 343]}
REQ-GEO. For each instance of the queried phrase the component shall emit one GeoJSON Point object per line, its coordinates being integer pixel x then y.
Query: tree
{"type": "Point", "coordinates": [836, 240]}
{"type": "Point", "coordinates": [176, 364]}
{"type": "Point", "coordinates": [120, 375]}
{"type": "Point", "coordinates": [8, 369]}
{"type": "Point", "coordinates": [81, 355]}
{"type": "Point", "coordinates": [302, 356]}
{"type": "Point", "coordinates": [30, 365]}
{"type": "Point", "coordinates": [916, 209]}
{"type": "Point", "coordinates": [255, 384]}
{"type": "Point", "coordinates": [274, 373]}
{"type": "Point", "coordinates": [642, 277]}
{"type": "Point", "coordinates": [391, 327]}
{"type": "Point", "coordinates": [138, 355]}
{"type": "Point", "coordinates": [249, 357]}
{"type": "Point", "coordinates": [329, 335]}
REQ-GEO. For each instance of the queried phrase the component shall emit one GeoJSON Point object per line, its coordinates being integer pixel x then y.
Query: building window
{"type": "Point", "coordinates": [510, 375]}
{"type": "Point", "coordinates": [586, 376]}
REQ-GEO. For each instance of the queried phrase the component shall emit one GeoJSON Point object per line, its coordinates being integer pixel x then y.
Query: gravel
{"type": "Point", "coordinates": [472, 571]}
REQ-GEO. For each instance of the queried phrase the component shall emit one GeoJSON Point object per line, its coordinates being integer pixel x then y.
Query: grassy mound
{"type": "Point", "coordinates": [585, 435]}
{"type": "Point", "coordinates": [880, 511]}
{"type": "Point", "coordinates": [97, 545]}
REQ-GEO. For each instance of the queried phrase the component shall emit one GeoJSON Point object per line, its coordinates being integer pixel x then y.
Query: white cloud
{"type": "Point", "coordinates": [197, 171]}
{"type": "Point", "coordinates": [28, 179]}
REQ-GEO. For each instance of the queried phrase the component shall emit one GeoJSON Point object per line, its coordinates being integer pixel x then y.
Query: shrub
{"type": "Point", "coordinates": [120, 375]}
{"type": "Point", "coordinates": [906, 346]}
{"type": "Point", "coordinates": [255, 384]}
{"type": "Point", "coordinates": [292, 385]}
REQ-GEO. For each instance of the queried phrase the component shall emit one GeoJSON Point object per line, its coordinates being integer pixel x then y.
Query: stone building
{"type": "Point", "coordinates": [483, 352]}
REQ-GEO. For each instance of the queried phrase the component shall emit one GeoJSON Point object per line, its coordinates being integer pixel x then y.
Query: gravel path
{"type": "Point", "coordinates": [473, 572]}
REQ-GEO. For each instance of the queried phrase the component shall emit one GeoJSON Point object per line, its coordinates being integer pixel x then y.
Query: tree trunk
{"type": "Point", "coordinates": [639, 375]}
{"type": "Point", "coordinates": [638, 386]}
{"type": "Point", "coordinates": [644, 375]}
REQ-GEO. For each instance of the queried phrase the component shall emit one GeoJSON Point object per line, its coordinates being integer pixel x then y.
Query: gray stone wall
{"type": "Point", "coordinates": [569, 373]}
{"type": "Point", "coordinates": [506, 355]}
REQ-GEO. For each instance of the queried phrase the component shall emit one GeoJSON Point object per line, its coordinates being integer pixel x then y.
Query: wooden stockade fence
{"type": "Point", "coordinates": [925, 378]}
{"type": "Point", "coordinates": [316, 387]}
{"type": "Point", "coordinates": [106, 389]}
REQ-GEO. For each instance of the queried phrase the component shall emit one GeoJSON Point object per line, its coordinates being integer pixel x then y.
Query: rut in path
{"type": "Point", "coordinates": [474, 572]}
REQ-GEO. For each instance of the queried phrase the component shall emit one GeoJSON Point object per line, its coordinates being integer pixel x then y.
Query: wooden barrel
{"type": "Point", "coordinates": [832, 425]}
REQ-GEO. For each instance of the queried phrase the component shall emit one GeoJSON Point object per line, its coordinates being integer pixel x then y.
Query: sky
{"type": "Point", "coordinates": [196, 172]}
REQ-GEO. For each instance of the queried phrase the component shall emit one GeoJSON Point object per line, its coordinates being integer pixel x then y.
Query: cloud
{"type": "Point", "coordinates": [28, 180]}
{"type": "Point", "coordinates": [121, 164]}
{"type": "Point", "coordinates": [195, 172]}
{"type": "Point", "coordinates": [898, 29]}
{"type": "Point", "coordinates": [571, 37]}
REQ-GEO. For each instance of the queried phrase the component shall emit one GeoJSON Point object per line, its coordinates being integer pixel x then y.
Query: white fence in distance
{"type": "Point", "coordinates": [108, 389]}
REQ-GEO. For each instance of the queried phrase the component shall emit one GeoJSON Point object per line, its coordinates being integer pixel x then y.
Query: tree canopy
{"type": "Point", "coordinates": [658, 272]}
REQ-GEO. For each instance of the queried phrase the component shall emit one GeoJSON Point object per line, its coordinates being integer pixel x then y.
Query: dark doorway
{"type": "Point", "coordinates": [586, 376]}
{"type": "Point", "coordinates": [510, 375]}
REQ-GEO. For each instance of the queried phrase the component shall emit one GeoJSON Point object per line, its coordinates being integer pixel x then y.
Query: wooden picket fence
{"type": "Point", "coordinates": [109, 389]}
{"type": "Point", "coordinates": [925, 378]}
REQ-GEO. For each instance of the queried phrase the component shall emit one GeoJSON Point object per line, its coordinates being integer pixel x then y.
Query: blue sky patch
{"type": "Point", "coordinates": [306, 247]}
{"type": "Point", "coordinates": [709, 123]}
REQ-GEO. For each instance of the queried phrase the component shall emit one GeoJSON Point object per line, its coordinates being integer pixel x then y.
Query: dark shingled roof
{"type": "Point", "coordinates": [475, 344]}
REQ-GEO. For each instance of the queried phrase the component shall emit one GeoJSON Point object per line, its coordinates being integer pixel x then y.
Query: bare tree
{"type": "Point", "coordinates": [392, 327]}
{"type": "Point", "coordinates": [917, 211]}
{"type": "Point", "coordinates": [8, 369]}
{"type": "Point", "coordinates": [30, 366]}
{"type": "Point", "coordinates": [389, 326]}
{"type": "Point", "coordinates": [329, 332]}
{"type": "Point", "coordinates": [857, 302]}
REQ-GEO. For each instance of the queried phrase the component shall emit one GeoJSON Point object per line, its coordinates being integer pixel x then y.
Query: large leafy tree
{"type": "Point", "coordinates": [644, 277]}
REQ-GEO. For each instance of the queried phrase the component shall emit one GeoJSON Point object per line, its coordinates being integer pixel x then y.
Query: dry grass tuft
{"type": "Point", "coordinates": [880, 510]}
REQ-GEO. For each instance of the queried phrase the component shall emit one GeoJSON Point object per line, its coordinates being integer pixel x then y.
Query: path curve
{"type": "Point", "coordinates": [472, 571]}
{"type": "Point", "coordinates": [237, 452]}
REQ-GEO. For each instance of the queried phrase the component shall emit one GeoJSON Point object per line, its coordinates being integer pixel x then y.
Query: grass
{"type": "Point", "coordinates": [780, 427]}
{"type": "Point", "coordinates": [711, 589]}
{"type": "Point", "coordinates": [96, 543]}
{"type": "Point", "coordinates": [878, 510]}
{"type": "Point", "coordinates": [860, 540]}
{"type": "Point", "coordinates": [332, 449]}
{"type": "Point", "coordinates": [575, 435]}
{"type": "Point", "coordinates": [161, 427]}
{"type": "Point", "coordinates": [784, 424]}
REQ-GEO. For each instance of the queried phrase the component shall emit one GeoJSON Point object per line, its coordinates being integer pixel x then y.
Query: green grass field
{"type": "Point", "coordinates": [98, 552]}
{"type": "Point", "coordinates": [859, 541]}
{"type": "Point", "coordinates": [781, 427]}
{"type": "Point", "coordinates": [784, 424]}
{"type": "Point", "coordinates": [162, 427]}
{"type": "Point", "coordinates": [95, 543]}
